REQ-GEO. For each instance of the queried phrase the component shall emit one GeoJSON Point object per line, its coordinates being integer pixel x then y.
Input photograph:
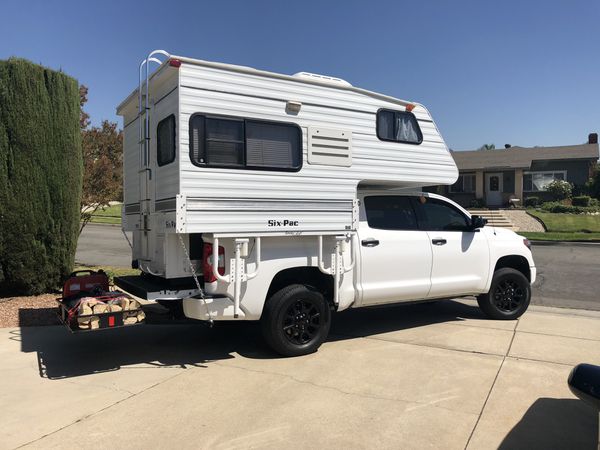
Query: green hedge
{"type": "Point", "coordinates": [40, 176]}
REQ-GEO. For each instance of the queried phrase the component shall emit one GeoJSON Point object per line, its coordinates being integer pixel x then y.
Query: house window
{"type": "Point", "coordinates": [244, 143]}
{"type": "Point", "coordinates": [398, 126]}
{"type": "Point", "coordinates": [464, 184]}
{"type": "Point", "coordinates": [165, 141]}
{"type": "Point", "coordinates": [537, 181]}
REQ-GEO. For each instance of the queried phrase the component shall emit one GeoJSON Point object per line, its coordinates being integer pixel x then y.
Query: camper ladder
{"type": "Point", "coordinates": [145, 172]}
{"type": "Point", "coordinates": [144, 129]}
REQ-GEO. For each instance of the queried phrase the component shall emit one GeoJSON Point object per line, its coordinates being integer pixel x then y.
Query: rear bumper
{"type": "Point", "coordinates": [215, 308]}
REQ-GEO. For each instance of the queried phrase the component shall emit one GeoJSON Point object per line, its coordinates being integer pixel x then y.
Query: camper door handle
{"type": "Point", "coordinates": [439, 241]}
{"type": "Point", "coordinates": [369, 242]}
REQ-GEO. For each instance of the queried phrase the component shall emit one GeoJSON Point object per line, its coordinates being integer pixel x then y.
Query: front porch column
{"type": "Point", "coordinates": [479, 184]}
{"type": "Point", "coordinates": [519, 185]}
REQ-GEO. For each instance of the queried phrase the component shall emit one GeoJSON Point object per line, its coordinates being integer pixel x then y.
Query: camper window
{"type": "Point", "coordinates": [165, 141]}
{"type": "Point", "coordinates": [398, 126]}
{"type": "Point", "coordinates": [244, 143]}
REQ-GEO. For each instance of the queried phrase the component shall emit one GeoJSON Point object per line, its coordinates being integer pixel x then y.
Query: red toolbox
{"type": "Point", "coordinates": [87, 281]}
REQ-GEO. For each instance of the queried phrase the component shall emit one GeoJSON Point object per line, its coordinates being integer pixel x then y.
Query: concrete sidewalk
{"type": "Point", "coordinates": [415, 376]}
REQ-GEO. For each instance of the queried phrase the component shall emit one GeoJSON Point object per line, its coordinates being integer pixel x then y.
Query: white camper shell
{"type": "Point", "coordinates": [238, 152]}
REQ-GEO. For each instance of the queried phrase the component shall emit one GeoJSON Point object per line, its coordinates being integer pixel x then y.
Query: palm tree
{"type": "Point", "coordinates": [487, 147]}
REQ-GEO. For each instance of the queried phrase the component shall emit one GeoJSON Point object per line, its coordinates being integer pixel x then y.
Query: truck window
{"type": "Point", "coordinates": [398, 126]}
{"type": "Point", "coordinates": [245, 143]}
{"type": "Point", "coordinates": [390, 212]}
{"type": "Point", "coordinates": [436, 215]}
{"type": "Point", "coordinates": [165, 141]}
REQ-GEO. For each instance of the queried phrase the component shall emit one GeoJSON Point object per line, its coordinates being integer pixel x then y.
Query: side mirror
{"type": "Point", "coordinates": [477, 222]}
{"type": "Point", "coordinates": [584, 382]}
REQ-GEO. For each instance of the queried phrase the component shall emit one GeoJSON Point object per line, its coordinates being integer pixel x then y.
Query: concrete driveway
{"type": "Point", "coordinates": [415, 376]}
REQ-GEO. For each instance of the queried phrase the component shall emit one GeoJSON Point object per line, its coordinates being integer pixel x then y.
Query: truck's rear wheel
{"type": "Point", "coordinates": [508, 297]}
{"type": "Point", "coordinates": [296, 320]}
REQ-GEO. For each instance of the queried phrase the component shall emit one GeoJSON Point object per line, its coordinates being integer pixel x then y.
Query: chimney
{"type": "Point", "coordinates": [593, 138]}
{"type": "Point", "coordinates": [507, 146]}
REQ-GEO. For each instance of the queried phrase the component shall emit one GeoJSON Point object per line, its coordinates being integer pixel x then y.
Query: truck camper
{"type": "Point", "coordinates": [253, 195]}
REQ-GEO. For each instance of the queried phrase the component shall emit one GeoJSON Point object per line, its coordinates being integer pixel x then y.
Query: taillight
{"type": "Point", "coordinates": [527, 243]}
{"type": "Point", "coordinates": [207, 262]}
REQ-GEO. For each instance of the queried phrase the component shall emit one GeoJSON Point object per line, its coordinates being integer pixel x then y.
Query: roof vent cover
{"type": "Point", "coordinates": [329, 147]}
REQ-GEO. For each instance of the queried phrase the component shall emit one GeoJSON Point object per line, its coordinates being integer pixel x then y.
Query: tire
{"type": "Point", "coordinates": [296, 320]}
{"type": "Point", "coordinates": [509, 295]}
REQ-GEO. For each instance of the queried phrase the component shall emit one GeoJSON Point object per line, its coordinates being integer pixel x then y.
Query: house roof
{"type": "Point", "coordinates": [521, 157]}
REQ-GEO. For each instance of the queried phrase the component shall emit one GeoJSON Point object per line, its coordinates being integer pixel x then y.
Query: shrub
{"type": "Point", "coordinates": [477, 203]}
{"type": "Point", "coordinates": [560, 189]}
{"type": "Point", "coordinates": [558, 207]}
{"type": "Point", "coordinates": [40, 176]}
{"type": "Point", "coordinates": [532, 201]}
{"type": "Point", "coordinates": [582, 200]}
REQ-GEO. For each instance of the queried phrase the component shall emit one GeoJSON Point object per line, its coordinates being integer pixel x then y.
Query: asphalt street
{"type": "Point", "coordinates": [103, 245]}
{"type": "Point", "coordinates": [568, 274]}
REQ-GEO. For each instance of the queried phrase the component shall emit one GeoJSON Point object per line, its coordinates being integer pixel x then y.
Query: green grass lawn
{"type": "Point", "coordinates": [566, 227]}
{"type": "Point", "coordinates": [569, 223]}
{"type": "Point", "coordinates": [112, 214]}
{"type": "Point", "coordinates": [111, 271]}
{"type": "Point", "coordinates": [558, 236]}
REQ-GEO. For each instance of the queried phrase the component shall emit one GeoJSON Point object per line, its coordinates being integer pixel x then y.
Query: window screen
{"type": "Point", "coordinates": [436, 215]}
{"type": "Point", "coordinates": [252, 144]}
{"type": "Point", "coordinates": [165, 141]}
{"type": "Point", "coordinates": [398, 126]}
{"type": "Point", "coordinates": [389, 212]}
{"type": "Point", "coordinates": [272, 145]}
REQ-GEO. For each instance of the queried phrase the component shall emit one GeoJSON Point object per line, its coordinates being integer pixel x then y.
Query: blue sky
{"type": "Point", "coordinates": [519, 72]}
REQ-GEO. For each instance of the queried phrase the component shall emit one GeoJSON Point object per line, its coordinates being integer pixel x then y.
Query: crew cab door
{"type": "Point", "coordinates": [461, 256]}
{"type": "Point", "coordinates": [395, 257]}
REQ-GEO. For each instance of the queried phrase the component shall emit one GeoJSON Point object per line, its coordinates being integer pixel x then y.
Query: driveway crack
{"type": "Point", "coordinates": [493, 384]}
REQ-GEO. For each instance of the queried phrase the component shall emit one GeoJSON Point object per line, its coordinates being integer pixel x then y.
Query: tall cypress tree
{"type": "Point", "coordinates": [40, 176]}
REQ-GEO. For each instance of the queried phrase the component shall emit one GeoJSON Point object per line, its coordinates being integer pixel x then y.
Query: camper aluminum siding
{"type": "Point", "coordinates": [320, 196]}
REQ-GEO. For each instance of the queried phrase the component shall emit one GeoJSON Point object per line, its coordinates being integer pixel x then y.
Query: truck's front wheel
{"type": "Point", "coordinates": [296, 320]}
{"type": "Point", "coordinates": [508, 297]}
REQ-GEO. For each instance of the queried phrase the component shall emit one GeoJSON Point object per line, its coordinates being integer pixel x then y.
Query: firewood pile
{"type": "Point", "coordinates": [88, 307]}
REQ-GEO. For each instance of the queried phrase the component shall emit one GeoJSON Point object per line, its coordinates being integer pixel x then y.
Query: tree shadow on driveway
{"type": "Point", "coordinates": [61, 354]}
{"type": "Point", "coordinates": [552, 423]}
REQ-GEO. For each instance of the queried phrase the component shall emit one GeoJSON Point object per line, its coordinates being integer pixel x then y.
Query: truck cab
{"type": "Point", "coordinates": [418, 246]}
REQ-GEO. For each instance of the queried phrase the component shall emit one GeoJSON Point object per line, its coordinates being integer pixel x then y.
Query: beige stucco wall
{"type": "Point", "coordinates": [519, 184]}
{"type": "Point", "coordinates": [479, 184]}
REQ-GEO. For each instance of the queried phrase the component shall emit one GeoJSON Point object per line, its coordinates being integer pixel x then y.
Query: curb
{"type": "Point", "coordinates": [576, 243]}
{"type": "Point", "coordinates": [538, 219]}
{"type": "Point", "coordinates": [103, 224]}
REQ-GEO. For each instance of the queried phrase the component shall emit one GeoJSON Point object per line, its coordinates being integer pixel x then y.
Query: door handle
{"type": "Point", "coordinates": [439, 241]}
{"type": "Point", "coordinates": [369, 242]}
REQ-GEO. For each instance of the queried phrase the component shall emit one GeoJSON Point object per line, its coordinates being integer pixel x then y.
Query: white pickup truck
{"type": "Point", "coordinates": [411, 247]}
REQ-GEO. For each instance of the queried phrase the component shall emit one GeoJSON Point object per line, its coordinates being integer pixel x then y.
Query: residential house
{"type": "Point", "coordinates": [497, 176]}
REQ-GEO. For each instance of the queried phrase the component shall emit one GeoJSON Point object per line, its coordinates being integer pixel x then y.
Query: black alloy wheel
{"type": "Point", "coordinates": [302, 321]}
{"type": "Point", "coordinates": [296, 320]}
{"type": "Point", "coordinates": [508, 297]}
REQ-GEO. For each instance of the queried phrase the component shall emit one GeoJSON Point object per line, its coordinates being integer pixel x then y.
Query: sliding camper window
{"type": "Point", "coordinates": [244, 143]}
{"type": "Point", "coordinates": [398, 126]}
{"type": "Point", "coordinates": [165, 141]}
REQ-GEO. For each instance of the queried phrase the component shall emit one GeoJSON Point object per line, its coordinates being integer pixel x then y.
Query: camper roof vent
{"type": "Point", "coordinates": [322, 78]}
